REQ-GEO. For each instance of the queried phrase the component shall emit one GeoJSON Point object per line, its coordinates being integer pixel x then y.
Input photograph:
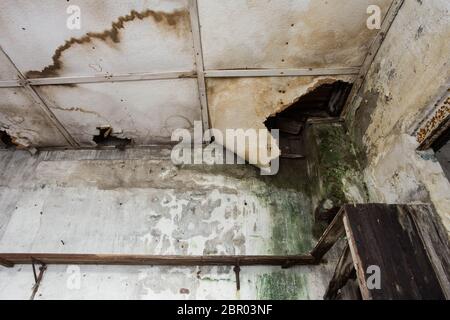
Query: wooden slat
{"type": "Point", "coordinates": [334, 231]}
{"type": "Point", "coordinates": [436, 241]}
{"type": "Point", "coordinates": [344, 270]}
{"type": "Point", "coordinates": [116, 259]}
{"type": "Point", "coordinates": [386, 236]}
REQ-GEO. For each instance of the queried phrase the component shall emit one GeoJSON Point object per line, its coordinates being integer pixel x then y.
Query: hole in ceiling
{"type": "Point", "coordinates": [6, 141]}
{"type": "Point", "coordinates": [326, 101]}
{"type": "Point", "coordinates": [106, 138]}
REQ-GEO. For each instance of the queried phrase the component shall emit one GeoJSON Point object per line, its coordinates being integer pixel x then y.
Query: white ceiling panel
{"type": "Point", "coordinates": [25, 122]}
{"type": "Point", "coordinates": [144, 111]}
{"type": "Point", "coordinates": [116, 37]}
{"type": "Point", "coordinates": [243, 34]}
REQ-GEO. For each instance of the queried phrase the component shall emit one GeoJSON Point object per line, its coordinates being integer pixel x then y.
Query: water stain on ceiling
{"type": "Point", "coordinates": [170, 20]}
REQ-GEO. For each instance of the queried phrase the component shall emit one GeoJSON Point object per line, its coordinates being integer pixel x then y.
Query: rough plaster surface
{"type": "Point", "coordinates": [409, 74]}
{"type": "Point", "coordinates": [246, 103]}
{"type": "Point", "coordinates": [137, 201]}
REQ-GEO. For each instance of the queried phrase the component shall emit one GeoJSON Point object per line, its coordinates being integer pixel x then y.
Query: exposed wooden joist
{"type": "Point", "coordinates": [280, 72]}
{"type": "Point", "coordinates": [41, 103]}
{"type": "Point", "coordinates": [373, 51]}
{"type": "Point", "coordinates": [196, 36]}
{"type": "Point", "coordinates": [112, 78]}
{"type": "Point", "coordinates": [344, 270]}
{"type": "Point", "coordinates": [334, 231]}
{"type": "Point", "coordinates": [10, 259]}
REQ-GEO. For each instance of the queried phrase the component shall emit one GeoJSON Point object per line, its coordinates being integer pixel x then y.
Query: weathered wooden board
{"type": "Point", "coordinates": [334, 231]}
{"type": "Point", "coordinates": [387, 236]}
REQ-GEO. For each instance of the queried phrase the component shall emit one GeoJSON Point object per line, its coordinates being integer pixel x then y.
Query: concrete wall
{"type": "Point", "coordinates": [138, 202]}
{"type": "Point", "coordinates": [408, 76]}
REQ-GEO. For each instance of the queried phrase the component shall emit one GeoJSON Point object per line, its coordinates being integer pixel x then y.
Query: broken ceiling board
{"type": "Point", "coordinates": [7, 70]}
{"type": "Point", "coordinates": [246, 103]}
{"type": "Point", "coordinates": [25, 122]}
{"type": "Point", "coordinates": [116, 37]}
{"type": "Point", "coordinates": [286, 33]}
{"type": "Point", "coordinates": [144, 111]}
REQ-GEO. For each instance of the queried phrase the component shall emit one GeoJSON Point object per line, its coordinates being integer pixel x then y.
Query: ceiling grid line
{"type": "Point", "coordinates": [196, 36]}
{"type": "Point", "coordinates": [41, 103]}
{"type": "Point", "coordinates": [234, 73]}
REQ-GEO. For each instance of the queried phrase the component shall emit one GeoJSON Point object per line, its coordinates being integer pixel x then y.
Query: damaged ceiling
{"type": "Point", "coordinates": [138, 67]}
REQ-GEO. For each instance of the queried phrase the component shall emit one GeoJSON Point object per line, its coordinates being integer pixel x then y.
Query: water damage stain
{"type": "Point", "coordinates": [172, 20]}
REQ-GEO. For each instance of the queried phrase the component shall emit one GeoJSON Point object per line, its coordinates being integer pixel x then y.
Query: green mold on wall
{"type": "Point", "coordinates": [282, 285]}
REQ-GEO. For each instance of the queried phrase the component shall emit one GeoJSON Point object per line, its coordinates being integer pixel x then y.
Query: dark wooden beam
{"type": "Point", "coordinates": [436, 241]}
{"type": "Point", "coordinates": [117, 259]}
{"type": "Point", "coordinates": [334, 231]}
{"type": "Point", "coordinates": [6, 263]}
{"type": "Point", "coordinates": [343, 272]}
{"type": "Point", "coordinates": [386, 236]}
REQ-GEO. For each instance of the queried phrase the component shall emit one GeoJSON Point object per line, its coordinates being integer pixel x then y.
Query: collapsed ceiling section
{"type": "Point", "coordinates": [139, 67]}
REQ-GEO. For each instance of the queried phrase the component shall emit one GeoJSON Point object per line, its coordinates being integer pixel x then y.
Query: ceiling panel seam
{"type": "Point", "coordinates": [41, 103]}
{"type": "Point", "coordinates": [281, 72]}
{"type": "Point", "coordinates": [113, 78]}
{"type": "Point", "coordinates": [196, 36]}
{"type": "Point", "coordinates": [372, 53]}
{"type": "Point", "coordinates": [239, 73]}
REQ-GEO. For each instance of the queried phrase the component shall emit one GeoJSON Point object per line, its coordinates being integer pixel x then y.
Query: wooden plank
{"type": "Point", "coordinates": [343, 272]}
{"type": "Point", "coordinates": [117, 259]}
{"type": "Point", "coordinates": [357, 263]}
{"type": "Point", "coordinates": [334, 231]}
{"type": "Point", "coordinates": [373, 51]}
{"type": "Point", "coordinates": [436, 241]}
{"type": "Point", "coordinates": [385, 236]}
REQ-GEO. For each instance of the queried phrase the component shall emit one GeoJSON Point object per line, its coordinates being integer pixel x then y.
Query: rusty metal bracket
{"type": "Point", "coordinates": [37, 277]}
{"type": "Point", "coordinates": [237, 271]}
